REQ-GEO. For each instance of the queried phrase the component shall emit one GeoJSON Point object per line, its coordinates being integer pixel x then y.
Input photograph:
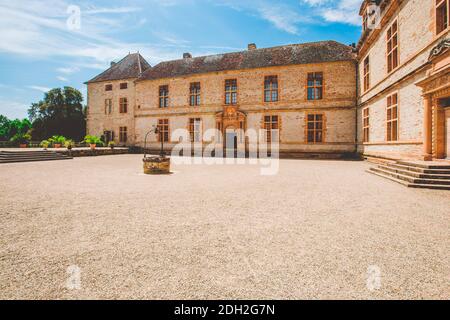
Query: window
{"type": "Point", "coordinates": [366, 125]}
{"type": "Point", "coordinates": [123, 85]}
{"type": "Point", "coordinates": [163, 126]}
{"type": "Point", "coordinates": [163, 96]}
{"type": "Point", "coordinates": [195, 125]}
{"type": "Point", "coordinates": [441, 15]}
{"type": "Point", "coordinates": [271, 128]}
{"type": "Point", "coordinates": [108, 87]}
{"type": "Point", "coordinates": [231, 91]}
{"type": "Point", "coordinates": [392, 118]}
{"type": "Point", "coordinates": [123, 136]}
{"type": "Point", "coordinates": [123, 105]}
{"type": "Point", "coordinates": [366, 74]}
{"type": "Point", "coordinates": [194, 94]}
{"type": "Point", "coordinates": [315, 86]}
{"type": "Point", "coordinates": [315, 128]}
{"type": "Point", "coordinates": [392, 47]}
{"type": "Point", "coordinates": [271, 89]}
{"type": "Point", "coordinates": [108, 106]}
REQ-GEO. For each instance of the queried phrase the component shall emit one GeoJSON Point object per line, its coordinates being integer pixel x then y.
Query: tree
{"type": "Point", "coordinates": [5, 125]}
{"type": "Point", "coordinates": [60, 113]}
{"type": "Point", "coordinates": [11, 128]}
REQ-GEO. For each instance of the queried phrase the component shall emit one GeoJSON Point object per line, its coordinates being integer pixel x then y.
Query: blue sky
{"type": "Point", "coordinates": [44, 45]}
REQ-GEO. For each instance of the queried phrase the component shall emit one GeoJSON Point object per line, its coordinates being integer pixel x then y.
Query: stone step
{"type": "Point", "coordinates": [408, 184]}
{"type": "Point", "coordinates": [418, 169]}
{"type": "Point", "coordinates": [411, 179]}
{"type": "Point", "coordinates": [425, 165]}
{"type": "Point", "coordinates": [31, 156]}
{"type": "Point", "coordinates": [32, 160]}
{"type": "Point", "coordinates": [415, 174]}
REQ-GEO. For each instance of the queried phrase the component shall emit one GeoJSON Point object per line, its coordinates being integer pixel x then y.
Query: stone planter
{"type": "Point", "coordinates": [156, 165]}
{"type": "Point", "coordinates": [57, 145]}
{"type": "Point", "coordinates": [93, 146]}
{"type": "Point", "coordinates": [22, 145]}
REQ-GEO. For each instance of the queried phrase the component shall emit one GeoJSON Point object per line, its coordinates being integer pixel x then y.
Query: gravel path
{"type": "Point", "coordinates": [317, 230]}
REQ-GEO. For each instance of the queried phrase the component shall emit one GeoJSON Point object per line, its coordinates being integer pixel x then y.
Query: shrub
{"type": "Point", "coordinates": [69, 144]}
{"type": "Point", "coordinates": [44, 144]}
{"type": "Point", "coordinates": [20, 138]}
{"type": "Point", "coordinates": [93, 140]}
{"type": "Point", "coordinates": [57, 140]}
{"type": "Point", "coordinates": [111, 144]}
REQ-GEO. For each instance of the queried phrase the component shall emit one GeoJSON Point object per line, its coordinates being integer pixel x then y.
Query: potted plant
{"type": "Point", "coordinates": [69, 144]}
{"type": "Point", "coordinates": [92, 141]}
{"type": "Point", "coordinates": [111, 144]}
{"type": "Point", "coordinates": [57, 141]}
{"type": "Point", "coordinates": [21, 139]}
{"type": "Point", "coordinates": [44, 144]}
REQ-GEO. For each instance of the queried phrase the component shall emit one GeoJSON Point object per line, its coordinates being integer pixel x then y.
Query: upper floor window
{"type": "Point", "coordinates": [123, 134]}
{"type": "Point", "coordinates": [163, 126]}
{"type": "Point", "coordinates": [163, 96]}
{"type": "Point", "coordinates": [366, 124]}
{"type": "Point", "coordinates": [392, 118]}
{"type": "Point", "coordinates": [392, 47]}
{"type": "Point", "coordinates": [123, 85]}
{"type": "Point", "coordinates": [366, 73]}
{"type": "Point", "coordinates": [123, 105]}
{"type": "Point", "coordinates": [108, 87]}
{"type": "Point", "coordinates": [231, 91]}
{"type": "Point", "coordinates": [271, 89]}
{"type": "Point", "coordinates": [108, 106]}
{"type": "Point", "coordinates": [194, 94]}
{"type": "Point", "coordinates": [271, 127]}
{"type": "Point", "coordinates": [315, 86]}
{"type": "Point", "coordinates": [442, 15]}
{"type": "Point", "coordinates": [315, 128]}
{"type": "Point", "coordinates": [195, 129]}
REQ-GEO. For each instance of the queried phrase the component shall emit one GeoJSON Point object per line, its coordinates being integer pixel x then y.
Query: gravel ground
{"type": "Point", "coordinates": [317, 230]}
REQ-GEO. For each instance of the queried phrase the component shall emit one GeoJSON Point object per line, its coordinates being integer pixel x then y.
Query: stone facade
{"type": "Point", "coordinates": [338, 104]}
{"type": "Point", "coordinates": [389, 101]}
{"type": "Point", "coordinates": [416, 37]}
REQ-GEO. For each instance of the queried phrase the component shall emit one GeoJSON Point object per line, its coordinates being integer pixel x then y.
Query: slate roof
{"type": "Point", "coordinates": [129, 67]}
{"type": "Point", "coordinates": [313, 52]}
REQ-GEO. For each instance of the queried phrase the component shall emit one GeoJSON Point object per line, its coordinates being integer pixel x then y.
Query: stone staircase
{"type": "Point", "coordinates": [28, 156]}
{"type": "Point", "coordinates": [415, 175]}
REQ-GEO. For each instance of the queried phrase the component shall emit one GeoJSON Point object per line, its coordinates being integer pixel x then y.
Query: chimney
{"type": "Point", "coordinates": [112, 63]}
{"type": "Point", "coordinates": [187, 55]}
{"type": "Point", "coordinates": [251, 47]}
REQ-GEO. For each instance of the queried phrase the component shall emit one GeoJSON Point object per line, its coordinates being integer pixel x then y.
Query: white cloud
{"type": "Point", "coordinates": [342, 11]}
{"type": "Point", "coordinates": [68, 70]}
{"type": "Point", "coordinates": [111, 10]}
{"type": "Point", "coordinates": [40, 88]}
{"type": "Point", "coordinates": [60, 78]}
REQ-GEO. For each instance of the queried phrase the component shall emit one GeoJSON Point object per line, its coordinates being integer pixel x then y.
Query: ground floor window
{"type": "Point", "coordinates": [271, 127]}
{"type": "Point", "coordinates": [315, 124]}
{"type": "Point", "coordinates": [195, 125]}
{"type": "Point", "coordinates": [366, 124]}
{"type": "Point", "coordinates": [123, 135]}
{"type": "Point", "coordinates": [163, 126]}
{"type": "Point", "coordinates": [392, 118]}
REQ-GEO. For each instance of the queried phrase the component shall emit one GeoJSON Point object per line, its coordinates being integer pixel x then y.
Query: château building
{"type": "Point", "coordinates": [388, 97]}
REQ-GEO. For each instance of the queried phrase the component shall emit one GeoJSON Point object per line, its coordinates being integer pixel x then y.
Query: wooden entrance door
{"type": "Point", "coordinates": [447, 133]}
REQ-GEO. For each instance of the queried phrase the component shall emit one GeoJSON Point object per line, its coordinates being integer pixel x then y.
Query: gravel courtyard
{"type": "Point", "coordinates": [316, 230]}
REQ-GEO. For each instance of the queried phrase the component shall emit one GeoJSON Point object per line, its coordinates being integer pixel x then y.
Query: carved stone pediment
{"type": "Point", "coordinates": [439, 49]}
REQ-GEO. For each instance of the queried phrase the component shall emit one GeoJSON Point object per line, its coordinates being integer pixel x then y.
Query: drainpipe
{"type": "Point", "coordinates": [356, 106]}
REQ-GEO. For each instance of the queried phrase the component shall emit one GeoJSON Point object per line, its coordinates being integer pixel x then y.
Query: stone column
{"type": "Point", "coordinates": [427, 128]}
